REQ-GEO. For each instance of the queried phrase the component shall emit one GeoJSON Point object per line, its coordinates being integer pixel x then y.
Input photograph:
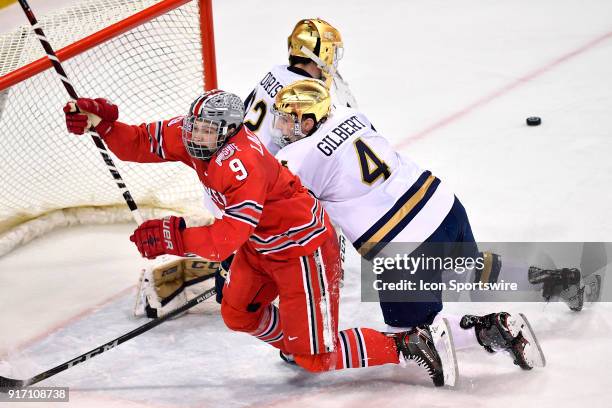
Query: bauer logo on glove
{"type": "Point", "coordinates": [157, 237]}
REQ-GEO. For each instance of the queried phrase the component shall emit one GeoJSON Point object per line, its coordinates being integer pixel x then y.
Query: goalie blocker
{"type": "Point", "coordinates": [172, 281]}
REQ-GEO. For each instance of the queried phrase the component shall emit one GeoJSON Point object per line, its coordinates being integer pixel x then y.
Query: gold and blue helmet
{"type": "Point", "coordinates": [307, 98]}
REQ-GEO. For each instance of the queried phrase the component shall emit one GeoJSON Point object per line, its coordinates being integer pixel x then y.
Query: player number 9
{"type": "Point", "coordinates": [237, 167]}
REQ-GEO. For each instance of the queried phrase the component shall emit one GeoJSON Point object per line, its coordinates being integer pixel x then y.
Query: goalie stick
{"type": "Point", "coordinates": [70, 89]}
{"type": "Point", "coordinates": [10, 383]}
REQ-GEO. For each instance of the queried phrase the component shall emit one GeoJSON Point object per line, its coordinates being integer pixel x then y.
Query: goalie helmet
{"type": "Point", "coordinates": [322, 40]}
{"type": "Point", "coordinates": [308, 98]}
{"type": "Point", "coordinates": [213, 117]}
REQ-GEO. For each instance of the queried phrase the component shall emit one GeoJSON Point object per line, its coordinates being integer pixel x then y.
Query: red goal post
{"type": "Point", "coordinates": [150, 57]}
{"type": "Point", "coordinates": [206, 35]}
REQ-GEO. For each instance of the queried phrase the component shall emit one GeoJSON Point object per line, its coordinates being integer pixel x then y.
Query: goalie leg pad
{"type": "Point", "coordinates": [198, 274]}
{"type": "Point", "coordinates": [171, 282]}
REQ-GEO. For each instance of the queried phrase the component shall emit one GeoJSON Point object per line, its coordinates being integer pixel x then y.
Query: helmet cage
{"type": "Point", "coordinates": [296, 127]}
{"type": "Point", "coordinates": [203, 137]}
{"type": "Point", "coordinates": [213, 117]}
{"type": "Point", "coordinates": [338, 55]}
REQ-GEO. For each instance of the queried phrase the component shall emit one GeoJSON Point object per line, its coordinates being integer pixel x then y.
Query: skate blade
{"type": "Point", "coordinates": [443, 340]}
{"type": "Point", "coordinates": [533, 352]}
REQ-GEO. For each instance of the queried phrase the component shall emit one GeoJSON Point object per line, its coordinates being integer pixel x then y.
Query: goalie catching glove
{"type": "Point", "coordinates": [90, 114]}
{"type": "Point", "coordinates": [157, 237]}
{"type": "Point", "coordinates": [171, 282]}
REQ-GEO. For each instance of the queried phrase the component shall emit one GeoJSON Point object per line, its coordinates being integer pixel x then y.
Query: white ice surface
{"type": "Point", "coordinates": [451, 83]}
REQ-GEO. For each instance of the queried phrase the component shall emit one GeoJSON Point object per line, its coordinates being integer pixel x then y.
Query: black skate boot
{"type": "Point", "coordinates": [503, 332]}
{"type": "Point", "coordinates": [559, 283]}
{"type": "Point", "coordinates": [418, 345]}
{"type": "Point", "coordinates": [287, 358]}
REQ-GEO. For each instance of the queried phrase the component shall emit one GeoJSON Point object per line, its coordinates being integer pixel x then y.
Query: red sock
{"type": "Point", "coordinates": [269, 329]}
{"type": "Point", "coordinates": [365, 348]}
{"type": "Point", "coordinates": [356, 348]}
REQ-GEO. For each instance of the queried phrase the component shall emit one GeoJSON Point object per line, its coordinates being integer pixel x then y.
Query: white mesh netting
{"type": "Point", "coordinates": [50, 178]}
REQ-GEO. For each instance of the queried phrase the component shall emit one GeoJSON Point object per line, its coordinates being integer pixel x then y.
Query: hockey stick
{"type": "Point", "coordinates": [70, 89]}
{"type": "Point", "coordinates": [10, 383]}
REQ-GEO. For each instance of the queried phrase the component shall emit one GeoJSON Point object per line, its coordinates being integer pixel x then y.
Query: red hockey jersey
{"type": "Point", "coordinates": [264, 205]}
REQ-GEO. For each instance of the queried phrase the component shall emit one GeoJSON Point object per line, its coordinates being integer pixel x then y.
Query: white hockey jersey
{"type": "Point", "coordinates": [258, 116]}
{"type": "Point", "coordinates": [374, 194]}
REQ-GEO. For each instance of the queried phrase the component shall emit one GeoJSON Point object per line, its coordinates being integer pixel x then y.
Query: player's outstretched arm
{"type": "Point", "coordinates": [216, 242]}
{"type": "Point", "coordinates": [169, 236]}
{"type": "Point", "coordinates": [87, 114]}
{"type": "Point", "coordinates": [244, 189]}
{"type": "Point", "coordinates": [146, 143]}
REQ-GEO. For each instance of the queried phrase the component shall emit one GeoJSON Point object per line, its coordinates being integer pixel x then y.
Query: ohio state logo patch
{"type": "Point", "coordinates": [226, 152]}
{"type": "Point", "coordinates": [176, 120]}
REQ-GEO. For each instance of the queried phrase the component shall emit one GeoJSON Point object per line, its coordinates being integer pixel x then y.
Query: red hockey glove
{"type": "Point", "coordinates": [157, 237]}
{"type": "Point", "coordinates": [98, 114]}
{"type": "Point", "coordinates": [76, 122]}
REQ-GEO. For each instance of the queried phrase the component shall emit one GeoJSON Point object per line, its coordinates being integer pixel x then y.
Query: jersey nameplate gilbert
{"type": "Point", "coordinates": [339, 134]}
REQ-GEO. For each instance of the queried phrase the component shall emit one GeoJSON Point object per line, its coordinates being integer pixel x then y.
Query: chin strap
{"type": "Point", "coordinates": [329, 70]}
{"type": "Point", "coordinates": [297, 130]}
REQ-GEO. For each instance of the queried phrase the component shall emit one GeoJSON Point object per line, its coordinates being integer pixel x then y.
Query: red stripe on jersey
{"type": "Point", "coordinates": [296, 236]}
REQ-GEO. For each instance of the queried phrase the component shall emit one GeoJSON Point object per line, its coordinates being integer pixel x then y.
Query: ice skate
{"type": "Point", "coordinates": [505, 332]}
{"type": "Point", "coordinates": [566, 284]}
{"type": "Point", "coordinates": [431, 347]}
{"type": "Point", "coordinates": [287, 358]}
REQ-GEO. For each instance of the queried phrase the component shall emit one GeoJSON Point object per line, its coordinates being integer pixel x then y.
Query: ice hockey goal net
{"type": "Point", "coordinates": [150, 57]}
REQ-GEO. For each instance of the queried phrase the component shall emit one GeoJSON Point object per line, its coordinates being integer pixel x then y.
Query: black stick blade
{"type": "Point", "coordinates": [9, 383]}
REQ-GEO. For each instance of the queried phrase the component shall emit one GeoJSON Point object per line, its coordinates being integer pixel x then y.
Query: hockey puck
{"type": "Point", "coordinates": [533, 121]}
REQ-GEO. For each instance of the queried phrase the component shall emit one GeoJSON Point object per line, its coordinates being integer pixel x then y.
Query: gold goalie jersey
{"type": "Point", "coordinates": [374, 194]}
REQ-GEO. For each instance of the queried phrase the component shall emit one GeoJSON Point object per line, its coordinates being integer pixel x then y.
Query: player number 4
{"type": "Point", "coordinates": [237, 167]}
{"type": "Point", "coordinates": [372, 168]}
